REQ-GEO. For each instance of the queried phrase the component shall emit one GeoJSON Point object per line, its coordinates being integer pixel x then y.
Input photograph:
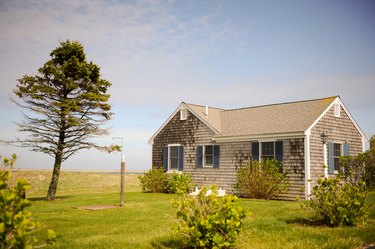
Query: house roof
{"type": "Point", "coordinates": [277, 118]}
{"type": "Point", "coordinates": [213, 118]}
{"type": "Point", "coordinates": [284, 119]}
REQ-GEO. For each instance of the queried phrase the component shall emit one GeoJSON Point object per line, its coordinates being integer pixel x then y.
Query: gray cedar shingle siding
{"type": "Point", "coordinates": [339, 130]}
{"type": "Point", "coordinates": [234, 131]}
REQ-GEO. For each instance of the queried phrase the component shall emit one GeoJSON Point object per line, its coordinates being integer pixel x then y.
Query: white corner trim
{"type": "Point", "coordinates": [307, 166]}
{"type": "Point", "coordinates": [325, 160]}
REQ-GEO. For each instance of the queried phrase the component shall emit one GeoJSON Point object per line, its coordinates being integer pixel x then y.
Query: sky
{"type": "Point", "coordinates": [221, 53]}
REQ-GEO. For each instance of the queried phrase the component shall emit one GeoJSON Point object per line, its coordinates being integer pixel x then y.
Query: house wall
{"type": "Point", "coordinates": [339, 130]}
{"type": "Point", "coordinates": [192, 132]}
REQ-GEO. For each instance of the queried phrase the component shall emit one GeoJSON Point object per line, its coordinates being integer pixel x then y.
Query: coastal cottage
{"type": "Point", "coordinates": [212, 143]}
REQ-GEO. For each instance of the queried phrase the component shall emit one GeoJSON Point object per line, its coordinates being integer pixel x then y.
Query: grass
{"type": "Point", "coordinates": [146, 219]}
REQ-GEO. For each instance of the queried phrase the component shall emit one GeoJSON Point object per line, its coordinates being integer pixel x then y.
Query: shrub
{"type": "Point", "coordinates": [16, 225]}
{"type": "Point", "coordinates": [208, 221]}
{"type": "Point", "coordinates": [180, 183]}
{"type": "Point", "coordinates": [335, 202]}
{"type": "Point", "coordinates": [154, 181]}
{"type": "Point", "coordinates": [263, 180]}
{"type": "Point", "coordinates": [355, 169]}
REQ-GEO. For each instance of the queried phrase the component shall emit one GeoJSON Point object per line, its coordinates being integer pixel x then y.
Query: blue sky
{"type": "Point", "coordinates": [157, 54]}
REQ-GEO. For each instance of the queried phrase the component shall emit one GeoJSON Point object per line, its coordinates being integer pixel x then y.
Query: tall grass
{"type": "Point", "coordinates": [76, 182]}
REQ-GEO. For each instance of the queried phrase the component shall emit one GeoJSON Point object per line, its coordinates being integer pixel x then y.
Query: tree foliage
{"type": "Point", "coordinates": [16, 226]}
{"type": "Point", "coordinates": [67, 104]}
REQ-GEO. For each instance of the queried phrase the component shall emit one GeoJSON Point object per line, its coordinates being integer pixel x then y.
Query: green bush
{"type": "Point", "coordinates": [263, 180]}
{"type": "Point", "coordinates": [154, 181]}
{"type": "Point", "coordinates": [16, 225]}
{"type": "Point", "coordinates": [335, 202]}
{"type": "Point", "coordinates": [180, 183]}
{"type": "Point", "coordinates": [157, 181]}
{"type": "Point", "coordinates": [359, 168]}
{"type": "Point", "coordinates": [208, 221]}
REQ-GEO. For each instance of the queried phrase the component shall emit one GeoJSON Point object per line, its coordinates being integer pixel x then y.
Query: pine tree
{"type": "Point", "coordinates": [66, 103]}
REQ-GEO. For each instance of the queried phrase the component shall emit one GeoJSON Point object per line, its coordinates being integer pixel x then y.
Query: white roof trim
{"type": "Point", "coordinates": [269, 136]}
{"type": "Point", "coordinates": [337, 101]}
{"type": "Point", "coordinates": [183, 105]}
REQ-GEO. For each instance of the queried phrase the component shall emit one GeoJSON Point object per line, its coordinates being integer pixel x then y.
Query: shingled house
{"type": "Point", "coordinates": [212, 143]}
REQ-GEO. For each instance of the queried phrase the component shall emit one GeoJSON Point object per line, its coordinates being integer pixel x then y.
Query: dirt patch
{"type": "Point", "coordinates": [96, 207]}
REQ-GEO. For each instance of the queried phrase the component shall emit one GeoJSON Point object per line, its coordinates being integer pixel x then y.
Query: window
{"type": "Point", "coordinates": [183, 114]}
{"type": "Point", "coordinates": [267, 150]}
{"type": "Point", "coordinates": [336, 156]}
{"type": "Point", "coordinates": [208, 155]}
{"type": "Point", "coordinates": [173, 157]}
{"type": "Point", "coordinates": [335, 151]}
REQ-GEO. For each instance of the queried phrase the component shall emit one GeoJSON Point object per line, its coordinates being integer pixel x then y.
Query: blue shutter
{"type": "Point", "coordinates": [165, 158]}
{"type": "Point", "coordinates": [199, 156]}
{"type": "Point", "coordinates": [331, 160]}
{"type": "Point", "coordinates": [180, 158]}
{"type": "Point", "coordinates": [255, 151]}
{"type": "Point", "coordinates": [279, 151]}
{"type": "Point", "coordinates": [346, 150]}
{"type": "Point", "coordinates": [216, 156]}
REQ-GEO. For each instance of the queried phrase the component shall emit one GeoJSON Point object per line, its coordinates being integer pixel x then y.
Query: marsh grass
{"type": "Point", "coordinates": [76, 182]}
{"type": "Point", "coordinates": [146, 219]}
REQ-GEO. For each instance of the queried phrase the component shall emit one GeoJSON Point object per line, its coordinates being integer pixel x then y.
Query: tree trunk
{"type": "Point", "coordinates": [56, 167]}
{"type": "Point", "coordinates": [55, 179]}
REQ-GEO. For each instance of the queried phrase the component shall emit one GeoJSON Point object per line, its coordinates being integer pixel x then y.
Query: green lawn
{"type": "Point", "coordinates": [146, 219]}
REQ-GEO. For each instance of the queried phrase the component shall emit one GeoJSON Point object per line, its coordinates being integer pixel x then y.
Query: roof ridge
{"type": "Point", "coordinates": [283, 103]}
{"type": "Point", "coordinates": [222, 109]}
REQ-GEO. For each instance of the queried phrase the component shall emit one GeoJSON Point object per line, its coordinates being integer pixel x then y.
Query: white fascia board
{"type": "Point", "coordinates": [262, 137]}
{"type": "Point", "coordinates": [338, 101]}
{"type": "Point", "coordinates": [182, 105]}
{"type": "Point", "coordinates": [352, 119]}
{"type": "Point", "coordinates": [321, 115]}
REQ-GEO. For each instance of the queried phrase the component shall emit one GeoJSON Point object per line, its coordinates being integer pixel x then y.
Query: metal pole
{"type": "Point", "coordinates": [122, 184]}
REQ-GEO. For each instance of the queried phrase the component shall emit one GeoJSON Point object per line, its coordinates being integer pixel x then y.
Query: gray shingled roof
{"type": "Point", "coordinates": [277, 118]}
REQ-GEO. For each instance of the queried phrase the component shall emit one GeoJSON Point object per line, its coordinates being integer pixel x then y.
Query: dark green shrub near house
{"type": "Point", "coordinates": [360, 168]}
{"type": "Point", "coordinates": [336, 202]}
{"type": "Point", "coordinates": [154, 181]}
{"type": "Point", "coordinates": [157, 181]}
{"type": "Point", "coordinates": [264, 180]}
{"type": "Point", "coordinates": [180, 183]}
{"type": "Point", "coordinates": [208, 221]}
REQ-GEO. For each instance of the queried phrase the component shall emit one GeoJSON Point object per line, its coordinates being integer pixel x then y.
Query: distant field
{"type": "Point", "coordinates": [77, 181]}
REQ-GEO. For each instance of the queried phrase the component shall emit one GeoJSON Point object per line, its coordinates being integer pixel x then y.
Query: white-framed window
{"type": "Point", "coordinates": [183, 114]}
{"type": "Point", "coordinates": [335, 151]}
{"type": "Point", "coordinates": [336, 110]}
{"type": "Point", "coordinates": [173, 157]}
{"type": "Point", "coordinates": [267, 150]}
{"type": "Point", "coordinates": [208, 156]}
